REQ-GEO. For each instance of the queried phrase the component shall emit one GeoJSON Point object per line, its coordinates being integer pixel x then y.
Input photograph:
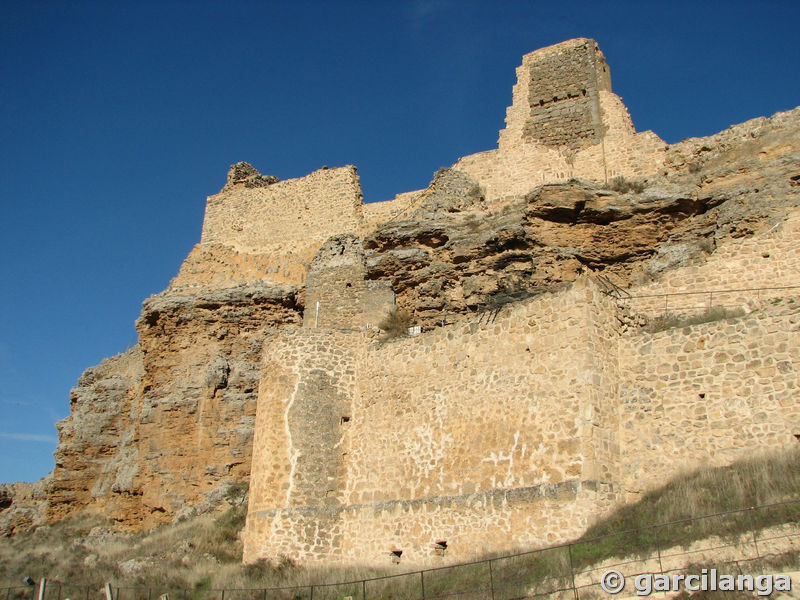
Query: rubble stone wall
{"type": "Point", "coordinates": [288, 216]}
{"type": "Point", "coordinates": [479, 434]}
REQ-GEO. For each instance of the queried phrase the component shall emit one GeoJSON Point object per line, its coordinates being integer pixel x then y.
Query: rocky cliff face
{"type": "Point", "coordinates": [22, 505]}
{"type": "Point", "coordinates": [97, 454]}
{"type": "Point", "coordinates": [166, 428]}
{"type": "Point", "coordinates": [454, 254]}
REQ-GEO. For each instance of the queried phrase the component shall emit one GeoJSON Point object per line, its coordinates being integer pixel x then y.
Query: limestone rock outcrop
{"type": "Point", "coordinates": [22, 505]}
{"type": "Point", "coordinates": [445, 262]}
{"type": "Point", "coordinates": [167, 425]}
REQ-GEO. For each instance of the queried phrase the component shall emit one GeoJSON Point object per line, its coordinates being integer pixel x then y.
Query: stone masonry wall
{"type": "Point", "coordinates": [707, 395]}
{"type": "Point", "coordinates": [505, 433]}
{"type": "Point", "coordinates": [299, 476]}
{"type": "Point", "coordinates": [337, 286]}
{"type": "Point", "coordinates": [285, 216]}
{"type": "Point", "coordinates": [444, 437]}
{"type": "Point", "coordinates": [563, 82]}
{"type": "Point", "coordinates": [564, 122]}
{"type": "Point", "coordinates": [375, 213]}
{"type": "Point", "coordinates": [770, 260]}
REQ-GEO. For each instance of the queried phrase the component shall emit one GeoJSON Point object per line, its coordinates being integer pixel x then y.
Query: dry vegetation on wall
{"type": "Point", "coordinates": [714, 313]}
{"type": "Point", "coordinates": [623, 186]}
{"type": "Point", "coordinates": [203, 553]}
{"type": "Point", "coordinates": [395, 324]}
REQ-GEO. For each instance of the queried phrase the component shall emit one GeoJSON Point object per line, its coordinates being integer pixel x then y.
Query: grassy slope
{"type": "Point", "coordinates": [203, 553]}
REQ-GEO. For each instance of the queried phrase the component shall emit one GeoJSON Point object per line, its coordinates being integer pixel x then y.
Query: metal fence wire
{"type": "Point", "coordinates": [759, 539]}
{"type": "Point", "coordinates": [694, 301]}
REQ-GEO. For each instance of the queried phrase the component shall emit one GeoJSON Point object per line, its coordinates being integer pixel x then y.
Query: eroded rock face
{"type": "Point", "coordinates": [201, 355]}
{"type": "Point", "coordinates": [97, 455]}
{"type": "Point", "coordinates": [168, 425]}
{"type": "Point", "coordinates": [444, 261]}
{"type": "Point", "coordinates": [22, 505]}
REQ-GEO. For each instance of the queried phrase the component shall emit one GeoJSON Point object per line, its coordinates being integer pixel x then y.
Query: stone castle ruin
{"type": "Point", "coordinates": [532, 402]}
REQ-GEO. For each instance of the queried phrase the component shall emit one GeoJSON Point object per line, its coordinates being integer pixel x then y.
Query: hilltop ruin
{"type": "Point", "coordinates": [531, 401]}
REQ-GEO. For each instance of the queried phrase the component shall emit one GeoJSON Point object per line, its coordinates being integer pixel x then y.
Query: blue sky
{"type": "Point", "coordinates": [119, 118]}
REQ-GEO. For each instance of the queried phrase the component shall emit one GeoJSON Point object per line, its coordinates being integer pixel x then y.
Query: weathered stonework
{"type": "Point", "coordinates": [564, 122]}
{"type": "Point", "coordinates": [406, 443]}
{"type": "Point", "coordinates": [531, 403]}
{"type": "Point", "coordinates": [337, 292]}
{"type": "Point", "coordinates": [515, 431]}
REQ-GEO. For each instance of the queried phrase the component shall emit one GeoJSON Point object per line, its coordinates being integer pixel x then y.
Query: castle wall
{"type": "Point", "coordinates": [564, 122]}
{"type": "Point", "coordinates": [288, 216]}
{"type": "Point", "coordinates": [337, 292]}
{"type": "Point", "coordinates": [299, 473]}
{"type": "Point", "coordinates": [375, 213]}
{"type": "Point", "coordinates": [563, 82]}
{"type": "Point", "coordinates": [520, 164]}
{"type": "Point", "coordinates": [514, 431]}
{"type": "Point", "coordinates": [770, 259]}
{"type": "Point", "coordinates": [445, 438]}
{"type": "Point", "coordinates": [707, 395]}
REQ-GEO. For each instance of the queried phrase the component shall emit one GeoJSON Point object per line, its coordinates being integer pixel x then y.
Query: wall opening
{"type": "Point", "coordinates": [440, 548]}
{"type": "Point", "coordinates": [395, 555]}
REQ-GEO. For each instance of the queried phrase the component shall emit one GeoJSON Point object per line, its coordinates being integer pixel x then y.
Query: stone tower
{"type": "Point", "coordinates": [556, 101]}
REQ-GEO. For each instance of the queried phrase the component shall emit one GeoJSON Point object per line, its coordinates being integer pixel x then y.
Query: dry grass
{"type": "Point", "coordinates": [203, 554]}
{"type": "Point", "coordinates": [760, 480]}
{"type": "Point", "coordinates": [623, 186]}
{"type": "Point", "coordinates": [395, 324]}
{"type": "Point", "coordinates": [670, 321]}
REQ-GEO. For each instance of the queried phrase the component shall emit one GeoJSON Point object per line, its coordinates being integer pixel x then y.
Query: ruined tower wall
{"type": "Point", "coordinates": [564, 122]}
{"type": "Point", "coordinates": [338, 294]}
{"type": "Point", "coordinates": [287, 216]}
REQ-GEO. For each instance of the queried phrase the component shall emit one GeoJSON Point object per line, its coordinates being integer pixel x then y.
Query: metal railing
{"type": "Point", "coordinates": [764, 537]}
{"type": "Point", "coordinates": [705, 299]}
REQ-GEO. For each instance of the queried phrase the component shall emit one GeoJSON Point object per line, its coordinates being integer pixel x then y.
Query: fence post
{"type": "Point", "coordinates": [312, 593]}
{"type": "Point", "coordinates": [265, 593]}
{"type": "Point", "coordinates": [422, 583]}
{"type": "Point", "coordinates": [491, 579]}
{"type": "Point", "coordinates": [363, 589]}
{"type": "Point", "coordinates": [658, 549]}
{"type": "Point", "coordinates": [572, 571]}
{"type": "Point", "coordinates": [222, 596]}
{"type": "Point", "coordinates": [755, 539]}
